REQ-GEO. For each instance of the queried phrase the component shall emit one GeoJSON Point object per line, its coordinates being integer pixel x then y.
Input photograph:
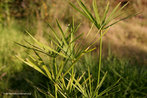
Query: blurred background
{"type": "Point", "coordinates": [127, 39]}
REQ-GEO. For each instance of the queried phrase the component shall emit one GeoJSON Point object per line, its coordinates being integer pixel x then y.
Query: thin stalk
{"type": "Point", "coordinates": [56, 89]}
{"type": "Point", "coordinates": [72, 76]}
{"type": "Point", "coordinates": [55, 66]}
{"type": "Point", "coordinates": [72, 54]}
{"type": "Point", "coordinates": [100, 58]}
{"type": "Point", "coordinates": [55, 70]}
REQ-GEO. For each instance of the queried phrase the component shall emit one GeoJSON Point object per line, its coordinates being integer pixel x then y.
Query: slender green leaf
{"type": "Point", "coordinates": [121, 20]}
{"type": "Point", "coordinates": [96, 12]}
{"type": "Point", "coordinates": [86, 11]}
{"type": "Point", "coordinates": [105, 13]}
{"type": "Point", "coordinates": [77, 9]}
{"type": "Point", "coordinates": [55, 34]}
{"type": "Point", "coordinates": [108, 88]}
{"type": "Point", "coordinates": [100, 84]}
{"type": "Point", "coordinates": [90, 83]}
{"type": "Point", "coordinates": [28, 62]}
{"type": "Point", "coordinates": [60, 69]}
{"type": "Point", "coordinates": [62, 33]}
{"type": "Point", "coordinates": [47, 47]}
{"type": "Point", "coordinates": [112, 13]}
{"type": "Point", "coordinates": [47, 72]}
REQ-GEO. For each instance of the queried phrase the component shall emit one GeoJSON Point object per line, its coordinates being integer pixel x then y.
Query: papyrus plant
{"type": "Point", "coordinates": [102, 24]}
{"type": "Point", "coordinates": [64, 53]}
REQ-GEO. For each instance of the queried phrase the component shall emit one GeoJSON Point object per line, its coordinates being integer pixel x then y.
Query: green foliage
{"type": "Point", "coordinates": [61, 49]}
{"type": "Point", "coordinates": [64, 53]}
{"type": "Point", "coordinates": [101, 24]}
{"type": "Point", "coordinates": [133, 77]}
{"type": "Point", "coordinates": [61, 69]}
{"type": "Point", "coordinates": [106, 20]}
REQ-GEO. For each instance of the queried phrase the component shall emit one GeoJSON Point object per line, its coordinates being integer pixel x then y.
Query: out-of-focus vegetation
{"type": "Point", "coordinates": [127, 40]}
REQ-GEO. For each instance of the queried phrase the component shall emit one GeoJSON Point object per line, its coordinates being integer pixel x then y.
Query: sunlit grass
{"type": "Point", "coordinates": [64, 63]}
{"type": "Point", "coordinates": [63, 49]}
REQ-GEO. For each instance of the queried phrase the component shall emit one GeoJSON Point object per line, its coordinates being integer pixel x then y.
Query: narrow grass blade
{"type": "Point", "coordinates": [112, 13]}
{"type": "Point", "coordinates": [73, 64]}
{"type": "Point", "coordinates": [31, 44]}
{"type": "Point", "coordinates": [62, 94]}
{"type": "Point", "coordinates": [82, 90]}
{"type": "Point", "coordinates": [121, 20]}
{"type": "Point", "coordinates": [55, 34]}
{"type": "Point", "coordinates": [28, 62]}
{"type": "Point", "coordinates": [46, 47]}
{"type": "Point", "coordinates": [86, 11]}
{"type": "Point", "coordinates": [89, 50]}
{"type": "Point", "coordinates": [34, 49]}
{"type": "Point", "coordinates": [108, 89]}
{"type": "Point", "coordinates": [47, 72]}
{"type": "Point", "coordinates": [72, 44]}
{"type": "Point", "coordinates": [76, 28]}
{"type": "Point", "coordinates": [68, 85]}
{"type": "Point", "coordinates": [123, 6]}
{"type": "Point", "coordinates": [62, 33]}
{"type": "Point", "coordinates": [72, 80]}
{"type": "Point", "coordinates": [100, 84]}
{"type": "Point", "coordinates": [76, 86]}
{"type": "Point", "coordinates": [78, 10]}
{"type": "Point", "coordinates": [105, 13]}
{"type": "Point", "coordinates": [119, 10]}
{"type": "Point", "coordinates": [77, 38]}
{"type": "Point", "coordinates": [60, 70]}
{"type": "Point", "coordinates": [80, 78]}
{"type": "Point", "coordinates": [96, 12]}
{"type": "Point", "coordinates": [90, 83]}
{"type": "Point", "coordinates": [89, 31]}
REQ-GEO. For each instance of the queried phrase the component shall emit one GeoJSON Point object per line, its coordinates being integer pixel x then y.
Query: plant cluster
{"type": "Point", "coordinates": [63, 53]}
